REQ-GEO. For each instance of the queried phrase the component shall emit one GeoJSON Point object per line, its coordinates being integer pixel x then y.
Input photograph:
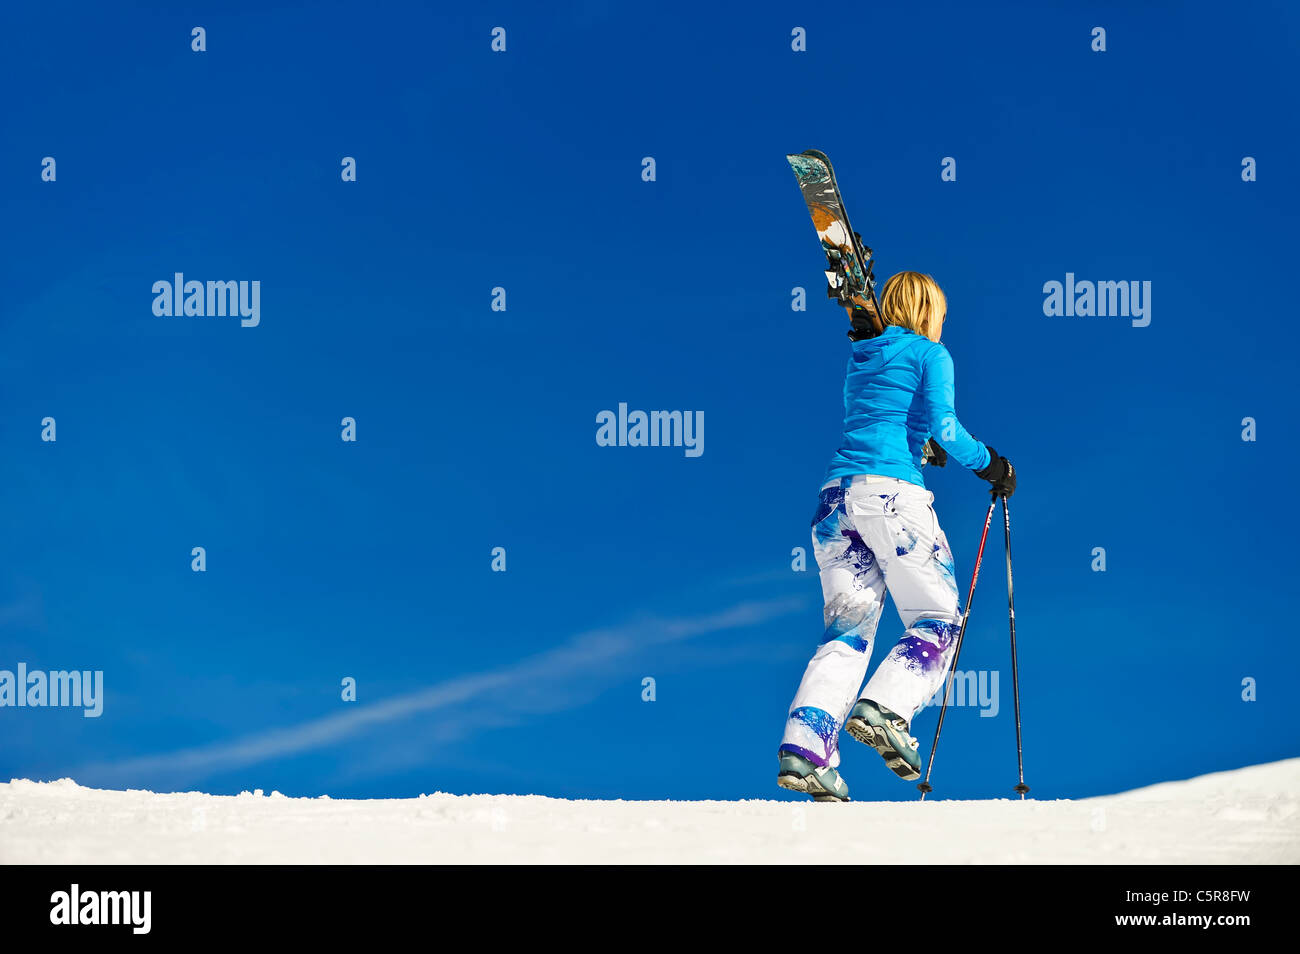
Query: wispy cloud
{"type": "Point", "coordinates": [594, 655]}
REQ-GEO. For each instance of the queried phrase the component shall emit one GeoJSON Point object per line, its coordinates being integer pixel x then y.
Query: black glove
{"type": "Point", "coordinates": [863, 327]}
{"type": "Point", "coordinates": [999, 473]}
{"type": "Point", "coordinates": [933, 454]}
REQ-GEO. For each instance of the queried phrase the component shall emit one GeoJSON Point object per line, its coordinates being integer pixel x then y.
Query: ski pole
{"type": "Point", "coordinates": [1022, 788]}
{"type": "Point", "coordinates": [956, 653]}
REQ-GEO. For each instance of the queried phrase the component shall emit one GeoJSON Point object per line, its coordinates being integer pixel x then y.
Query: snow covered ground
{"type": "Point", "coordinates": [1251, 815]}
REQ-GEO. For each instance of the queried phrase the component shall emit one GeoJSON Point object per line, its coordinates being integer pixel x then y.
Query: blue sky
{"type": "Point", "coordinates": [476, 429]}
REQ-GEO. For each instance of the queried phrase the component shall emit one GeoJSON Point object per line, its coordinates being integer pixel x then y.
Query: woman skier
{"type": "Point", "coordinates": [874, 527]}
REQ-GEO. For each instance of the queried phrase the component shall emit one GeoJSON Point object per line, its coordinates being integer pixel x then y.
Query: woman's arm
{"type": "Point", "coordinates": [939, 389]}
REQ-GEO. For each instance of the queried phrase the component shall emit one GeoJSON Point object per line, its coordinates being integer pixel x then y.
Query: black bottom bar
{"type": "Point", "coordinates": [330, 904]}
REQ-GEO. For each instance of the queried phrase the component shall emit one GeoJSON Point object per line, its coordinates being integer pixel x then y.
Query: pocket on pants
{"type": "Point", "coordinates": [873, 500]}
{"type": "Point", "coordinates": [897, 518]}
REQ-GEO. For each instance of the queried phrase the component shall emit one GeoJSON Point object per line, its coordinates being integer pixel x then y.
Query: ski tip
{"type": "Point", "coordinates": [810, 166]}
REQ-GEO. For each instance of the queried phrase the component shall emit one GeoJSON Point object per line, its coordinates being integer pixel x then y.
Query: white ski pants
{"type": "Point", "coordinates": [871, 533]}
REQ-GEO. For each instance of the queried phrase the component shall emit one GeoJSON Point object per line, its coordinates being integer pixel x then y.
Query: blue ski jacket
{"type": "Point", "coordinates": [899, 390]}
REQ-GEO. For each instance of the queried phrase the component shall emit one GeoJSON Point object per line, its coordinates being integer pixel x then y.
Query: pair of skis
{"type": "Point", "coordinates": [850, 262]}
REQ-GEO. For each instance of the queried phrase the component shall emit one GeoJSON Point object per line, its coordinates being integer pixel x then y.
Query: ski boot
{"type": "Point", "coordinates": [887, 733]}
{"type": "Point", "coordinates": [799, 774]}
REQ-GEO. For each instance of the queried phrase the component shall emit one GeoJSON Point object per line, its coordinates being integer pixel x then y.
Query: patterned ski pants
{"type": "Point", "coordinates": [870, 533]}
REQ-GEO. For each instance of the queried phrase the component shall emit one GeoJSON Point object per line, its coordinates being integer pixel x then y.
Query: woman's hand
{"type": "Point", "coordinates": [862, 320]}
{"type": "Point", "coordinates": [999, 473]}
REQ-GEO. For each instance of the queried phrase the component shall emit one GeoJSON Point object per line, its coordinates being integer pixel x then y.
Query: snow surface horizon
{"type": "Point", "coordinates": [1244, 816]}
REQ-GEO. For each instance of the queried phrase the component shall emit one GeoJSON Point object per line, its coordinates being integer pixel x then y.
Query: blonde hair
{"type": "Point", "coordinates": [915, 302]}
